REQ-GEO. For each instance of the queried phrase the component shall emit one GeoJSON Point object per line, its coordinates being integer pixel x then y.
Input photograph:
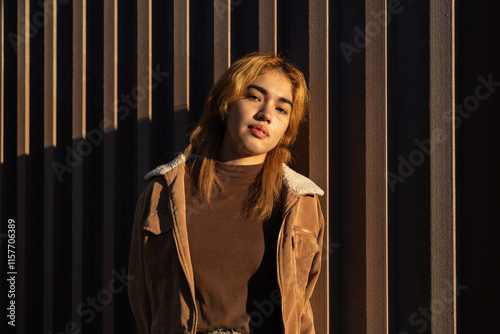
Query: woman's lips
{"type": "Point", "coordinates": [258, 131]}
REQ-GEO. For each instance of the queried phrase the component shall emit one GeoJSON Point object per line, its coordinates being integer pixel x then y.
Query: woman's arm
{"type": "Point", "coordinates": [315, 214]}
{"type": "Point", "coordinates": [137, 288]}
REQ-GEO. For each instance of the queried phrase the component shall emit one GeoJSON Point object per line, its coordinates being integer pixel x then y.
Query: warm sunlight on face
{"type": "Point", "coordinates": [258, 120]}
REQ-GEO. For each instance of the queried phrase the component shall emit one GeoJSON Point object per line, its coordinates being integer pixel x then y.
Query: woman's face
{"type": "Point", "coordinates": [258, 120]}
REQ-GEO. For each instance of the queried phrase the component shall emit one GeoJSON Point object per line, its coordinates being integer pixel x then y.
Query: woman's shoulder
{"type": "Point", "coordinates": [165, 168]}
{"type": "Point", "coordinates": [157, 186]}
{"type": "Point", "coordinates": [299, 183]}
{"type": "Point", "coordinates": [157, 183]}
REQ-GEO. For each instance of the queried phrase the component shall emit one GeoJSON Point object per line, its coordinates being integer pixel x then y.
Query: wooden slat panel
{"type": "Point", "coordinates": [110, 116]}
{"type": "Point", "coordinates": [442, 165]}
{"type": "Point", "coordinates": [181, 71]}
{"type": "Point", "coordinates": [78, 133]}
{"type": "Point", "coordinates": [222, 37]}
{"type": "Point", "coordinates": [268, 26]}
{"type": "Point", "coordinates": [319, 143]}
{"type": "Point", "coordinates": [144, 79]}
{"type": "Point", "coordinates": [23, 127]}
{"type": "Point", "coordinates": [50, 135]}
{"type": "Point", "coordinates": [376, 174]}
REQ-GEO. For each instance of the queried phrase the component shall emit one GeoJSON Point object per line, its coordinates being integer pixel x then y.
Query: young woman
{"type": "Point", "coordinates": [227, 238]}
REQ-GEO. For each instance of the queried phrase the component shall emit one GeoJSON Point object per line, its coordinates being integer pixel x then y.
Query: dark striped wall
{"type": "Point", "coordinates": [401, 134]}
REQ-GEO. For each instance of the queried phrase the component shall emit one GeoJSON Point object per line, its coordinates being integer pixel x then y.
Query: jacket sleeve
{"type": "Point", "coordinates": [137, 288]}
{"type": "Point", "coordinates": [307, 319]}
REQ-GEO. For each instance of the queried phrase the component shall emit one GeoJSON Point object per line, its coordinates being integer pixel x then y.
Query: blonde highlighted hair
{"type": "Point", "coordinates": [206, 139]}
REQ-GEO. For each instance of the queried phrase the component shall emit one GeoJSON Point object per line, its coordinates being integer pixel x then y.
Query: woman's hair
{"type": "Point", "coordinates": [206, 139]}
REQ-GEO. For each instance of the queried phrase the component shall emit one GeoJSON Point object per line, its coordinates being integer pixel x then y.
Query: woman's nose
{"type": "Point", "coordinates": [265, 113]}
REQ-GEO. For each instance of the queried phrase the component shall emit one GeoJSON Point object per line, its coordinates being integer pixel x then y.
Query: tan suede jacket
{"type": "Point", "coordinates": [162, 292]}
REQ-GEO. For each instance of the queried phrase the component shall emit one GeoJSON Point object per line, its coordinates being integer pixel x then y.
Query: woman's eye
{"type": "Point", "coordinates": [253, 97]}
{"type": "Point", "coordinates": [282, 110]}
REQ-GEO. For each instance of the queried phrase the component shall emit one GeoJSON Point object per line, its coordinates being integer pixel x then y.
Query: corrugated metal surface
{"type": "Point", "coordinates": [98, 93]}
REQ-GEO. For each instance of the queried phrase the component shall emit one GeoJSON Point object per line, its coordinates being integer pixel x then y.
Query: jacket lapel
{"type": "Point", "coordinates": [177, 198]}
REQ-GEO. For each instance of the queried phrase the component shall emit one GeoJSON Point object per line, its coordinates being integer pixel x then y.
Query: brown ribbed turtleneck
{"type": "Point", "coordinates": [233, 257]}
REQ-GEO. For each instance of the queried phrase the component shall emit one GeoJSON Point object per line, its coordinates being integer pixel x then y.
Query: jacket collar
{"type": "Point", "coordinates": [163, 169]}
{"type": "Point", "coordinates": [296, 182]}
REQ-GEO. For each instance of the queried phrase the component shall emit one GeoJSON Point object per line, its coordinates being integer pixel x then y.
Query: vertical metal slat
{"type": "Point", "coordinates": [23, 126]}
{"type": "Point", "coordinates": [78, 134]}
{"type": "Point", "coordinates": [442, 165]}
{"type": "Point", "coordinates": [181, 73]}
{"type": "Point", "coordinates": [144, 78]}
{"type": "Point", "coordinates": [110, 125]}
{"type": "Point", "coordinates": [50, 132]}
{"type": "Point", "coordinates": [268, 26]}
{"type": "Point", "coordinates": [319, 138]}
{"type": "Point", "coordinates": [222, 37]}
{"type": "Point", "coordinates": [376, 175]}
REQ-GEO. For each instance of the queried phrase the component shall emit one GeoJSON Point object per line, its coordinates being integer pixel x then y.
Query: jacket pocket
{"type": "Point", "coordinates": [304, 241]}
{"type": "Point", "coordinates": [159, 249]}
{"type": "Point", "coordinates": [305, 247]}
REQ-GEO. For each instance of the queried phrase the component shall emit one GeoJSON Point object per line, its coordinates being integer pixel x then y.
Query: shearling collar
{"type": "Point", "coordinates": [298, 183]}
{"type": "Point", "coordinates": [163, 169]}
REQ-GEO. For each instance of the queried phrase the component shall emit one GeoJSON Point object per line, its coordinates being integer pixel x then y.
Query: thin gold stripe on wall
{"type": "Point", "coordinates": [442, 165]}
{"type": "Point", "coordinates": [78, 134]}
{"type": "Point", "coordinates": [377, 295]}
{"type": "Point", "coordinates": [319, 138]}
{"type": "Point", "coordinates": [23, 127]}
{"type": "Point", "coordinates": [181, 71]}
{"type": "Point", "coordinates": [110, 115]}
{"type": "Point", "coordinates": [268, 26]}
{"type": "Point", "coordinates": [50, 135]}
{"type": "Point", "coordinates": [222, 37]}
